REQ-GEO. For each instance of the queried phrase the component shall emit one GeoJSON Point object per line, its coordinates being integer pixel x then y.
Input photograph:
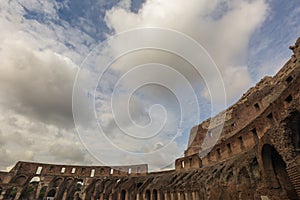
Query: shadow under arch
{"type": "Point", "coordinates": [123, 195]}
{"type": "Point", "coordinates": [275, 172]}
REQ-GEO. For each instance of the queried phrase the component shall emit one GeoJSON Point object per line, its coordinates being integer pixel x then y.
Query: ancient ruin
{"type": "Point", "coordinates": [256, 157]}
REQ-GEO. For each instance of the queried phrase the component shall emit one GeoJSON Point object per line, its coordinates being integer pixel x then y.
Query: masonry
{"type": "Point", "coordinates": [256, 157]}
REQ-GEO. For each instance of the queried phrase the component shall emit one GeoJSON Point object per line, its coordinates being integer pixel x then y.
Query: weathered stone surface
{"type": "Point", "coordinates": [256, 157]}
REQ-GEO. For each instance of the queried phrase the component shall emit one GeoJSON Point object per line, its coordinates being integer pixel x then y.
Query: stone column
{"type": "Point", "coordinates": [194, 195]}
{"type": "Point", "coordinates": [166, 196]}
{"type": "Point", "coordinates": [186, 195]}
{"type": "Point", "coordinates": [172, 195]}
{"type": "Point", "coordinates": [178, 196]}
{"type": "Point", "coordinates": [38, 190]}
{"type": "Point", "coordinates": [18, 195]}
{"type": "Point", "coordinates": [101, 196]}
{"type": "Point", "coordinates": [83, 195]}
{"type": "Point", "coordinates": [64, 196]}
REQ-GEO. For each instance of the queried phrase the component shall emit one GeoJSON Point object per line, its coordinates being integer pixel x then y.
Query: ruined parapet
{"type": "Point", "coordinates": [31, 168]}
{"type": "Point", "coordinates": [188, 163]}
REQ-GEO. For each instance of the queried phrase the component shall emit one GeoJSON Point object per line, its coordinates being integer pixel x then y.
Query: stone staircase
{"type": "Point", "coordinates": [294, 174]}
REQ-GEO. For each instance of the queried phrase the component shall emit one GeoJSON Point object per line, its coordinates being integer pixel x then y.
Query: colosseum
{"type": "Point", "coordinates": [256, 157]}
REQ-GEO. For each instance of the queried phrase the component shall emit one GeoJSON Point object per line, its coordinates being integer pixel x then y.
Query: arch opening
{"type": "Point", "coordinates": [42, 192]}
{"type": "Point", "coordinates": [275, 171]}
{"type": "Point", "coordinates": [148, 195]}
{"type": "Point", "coordinates": [20, 180]}
{"type": "Point", "coordinates": [154, 195]}
{"type": "Point", "coordinates": [123, 195]}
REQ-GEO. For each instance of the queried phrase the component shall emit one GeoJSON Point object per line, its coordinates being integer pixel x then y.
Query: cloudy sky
{"type": "Point", "coordinates": [139, 109]}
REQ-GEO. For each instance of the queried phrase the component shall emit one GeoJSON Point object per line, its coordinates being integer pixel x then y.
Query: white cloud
{"type": "Point", "coordinates": [226, 38]}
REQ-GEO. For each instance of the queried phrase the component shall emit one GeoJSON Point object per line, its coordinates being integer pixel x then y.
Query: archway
{"type": "Point", "coordinates": [275, 171]}
{"type": "Point", "coordinates": [154, 195]}
{"type": "Point", "coordinates": [123, 195]}
{"type": "Point", "coordinates": [42, 192]}
{"type": "Point", "coordinates": [148, 195]}
{"type": "Point", "coordinates": [21, 180]}
{"type": "Point", "coordinates": [51, 194]}
{"type": "Point", "coordinates": [31, 189]}
{"type": "Point", "coordinates": [1, 190]}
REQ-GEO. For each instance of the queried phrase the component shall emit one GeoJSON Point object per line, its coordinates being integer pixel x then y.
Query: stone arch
{"type": "Point", "coordinates": [154, 195]}
{"type": "Point", "coordinates": [123, 195]}
{"type": "Point", "coordinates": [69, 188]}
{"type": "Point", "coordinates": [31, 189]}
{"type": "Point", "coordinates": [98, 189]}
{"type": "Point", "coordinates": [21, 179]}
{"type": "Point", "coordinates": [1, 189]}
{"type": "Point", "coordinates": [275, 173]}
{"type": "Point", "coordinates": [147, 195]}
{"type": "Point", "coordinates": [56, 182]}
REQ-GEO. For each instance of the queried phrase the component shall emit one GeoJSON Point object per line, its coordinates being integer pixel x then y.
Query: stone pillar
{"type": "Point", "coordinates": [166, 196]}
{"type": "Point", "coordinates": [64, 196]}
{"type": "Point", "coordinates": [83, 195]}
{"type": "Point", "coordinates": [179, 196]}
{"type": "Point", "coordinates": [186, 195]}
{"type": "Point", "coordinates": [172, 195]}
{"type": "Point", "coordinates": [158, 195]}
{"type": "Point", "coordinates": [194, 195]}
{"type": "Point", "coordinates": [101, 196]}
{"type": "Point", "coordinates": [18, 195]}
{"type": "Point", "coordinates": [38, 190]}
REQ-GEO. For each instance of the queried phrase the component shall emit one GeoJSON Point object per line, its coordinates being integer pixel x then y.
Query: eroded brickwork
{"type": "Point", "coordinates": [256, 157]}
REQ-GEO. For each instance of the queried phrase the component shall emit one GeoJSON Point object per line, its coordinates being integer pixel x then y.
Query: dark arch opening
{"type": "Point", "coordinates": [1, 190]}
{"type": "Point", "coordinates": [154, 195]}
{"type": "Point", "coordinates": [12, 193]}
{"type": "Point", "coordinates": [51, 193]}
{"type": "Point", "coordinates": [20, 180]}
{"type": "Point", "coordinates": [123, 195]}
{"type": "Point", "coordinates": [275, 171]}
{"type": "Point", "coordinates": [57, 182]}
{"type": "Point", "coordinates": [42, 192]}
{"type": "Point", "coordinates": [294, 125]}
{"type": "Point", "coordinates": [148, 195]}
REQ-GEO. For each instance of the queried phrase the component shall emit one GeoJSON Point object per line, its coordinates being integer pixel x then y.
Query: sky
{"type": "Point", "coordinates": [122, 82]}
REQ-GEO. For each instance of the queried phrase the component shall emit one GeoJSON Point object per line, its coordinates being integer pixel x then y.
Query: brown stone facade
{"type": "Point", "coordinates": [256, 157]}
